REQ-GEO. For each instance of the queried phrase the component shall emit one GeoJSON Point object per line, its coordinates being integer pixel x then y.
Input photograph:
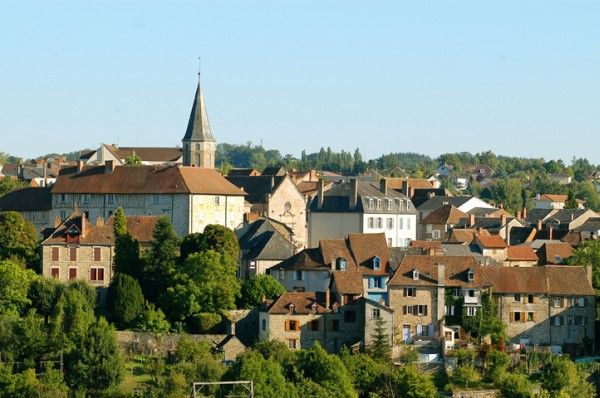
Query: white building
{"type": "Point", "coordinates": [362, 207]}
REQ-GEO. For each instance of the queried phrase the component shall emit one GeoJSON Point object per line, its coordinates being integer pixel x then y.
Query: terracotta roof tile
{"type": "Point", "coordinates": [550, 279]}
{"type": "Point", "coordinates": [521, 253]}
{"type": "Point", "coordinates": [302, 301]}
{"type": "Point", "coordinates": [491, 241]}
{"type": "Point", "coordinates": [445, 215]}
{"type": "Point", "coordinates": [348, 282]}
{"type": "Point", "coordinates": [555, 252]}
{"type": "Point", "coordinates": [455, 270]}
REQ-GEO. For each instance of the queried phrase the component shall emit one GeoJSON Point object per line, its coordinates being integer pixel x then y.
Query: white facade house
{"type": "Point", "coordinates": [361, 207]}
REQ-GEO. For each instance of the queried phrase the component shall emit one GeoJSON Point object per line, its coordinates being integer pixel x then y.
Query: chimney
{"type": "Point", "coordinates": [503, 219]}
{"type": "Point", "coordinates": [100, 221]}
{"type": "Point", "coordinates": [83, 224]}
{"type": "Point", "coordinates": [353, 193]}
{"type": "Point", "coordinates": [57, 221]}
{"type": "Point", "coordinates": [320, 186]}
{"type": "Point", "coordinates": [272, 182]}
{"type": "Point", "coordinates": [327, 298]}
{"type": "Point", "coordinates": [519, 217]}
{"type": "Point", "coordinates": [441, 291]}
{"type": "Point", "coordinates": [524, 212]}
{"type": "Point", "coordinates": [471, 220]}
{"type": "Point", "coordinates": [406, 187]}
{"type": "Point", "coordinates": [109, 166]}
{"type": "Point", "coordinates": [79, 166]}
{"type": "Point", "coordinates": [430, 194]}
{"type": "Point", "coordinates": [550, 231]}
{"type": "Point", "coordinates": [383, 186]}
{"type": "Point", "coordinates": [539, 225]}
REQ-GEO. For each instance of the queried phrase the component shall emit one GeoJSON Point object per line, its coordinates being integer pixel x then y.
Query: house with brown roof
{"type": "Point", "coordinates": [491, 246]}
{"type": "Point", "coordinates": [520, 256]}
{"type": "Point", "coordinates": [148, 155]}
{"type": "Point", "coordinates": [33, 203]}
{"type": "Point", "coordinates": [299, 319]}
{"type": "Point", "coordinates": [554, 253]}
{"type": "Point", "coordinates": [550, 201]}
{"type": "Point", "coordinates": [438, 224]}
{"type": "Point", "coordinates": [192, 197]}
{"type": "Point", "coordinates": [78, 249]}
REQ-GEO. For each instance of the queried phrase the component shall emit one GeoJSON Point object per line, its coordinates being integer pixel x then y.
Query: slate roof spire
{"type": "Point", "coordinates": [198, 128]}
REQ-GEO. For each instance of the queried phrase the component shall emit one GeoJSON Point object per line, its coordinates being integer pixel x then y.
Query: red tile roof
{"type": "Point", "coordinates": [556, 280]}
{"type": "Point", "coordinates": [302, 301]}
{"type": "Point", "coordinates": [491, 241]}
{"type": "Point", "coordinates": [444, 215]}
{"type": "Point", "coordinates": [553, 198]}
{"type": "Point", "coordinates": [555, 252]}
{"type": "Point", "coordinates": [455, 271]}
{"type": "Point", "coordinates": [521, 253]}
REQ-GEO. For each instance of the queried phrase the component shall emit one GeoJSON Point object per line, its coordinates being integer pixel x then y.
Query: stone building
{"type": "Point", "coordinates": [78, 249]}
{"type": "Point", "coordinates": [299, 319]}
{"type": "Point", "coordinates": [199, 146]}
{"type": "Point", "coordinates": [147, 155]}
{"type": "Point", "coordinates": [34, 204]}
{"type": "Point", "coordinates": [361, 207]}
{"type": "Point", "coordinates": [438, 224]}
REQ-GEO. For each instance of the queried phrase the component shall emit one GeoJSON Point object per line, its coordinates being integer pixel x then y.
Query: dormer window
{"type": "Point", "coordinates": [313, 308]}
{"type": "Point", "coordinates": [376, 263]}
{"type": "Point", "coordinates": [370, 201]}
{"type": "Point", "coordinates": [341, 264]}
{"type": "Point", "coordinates": [292, 309]}
{"type": "Point", "coordinates": [470, 275]}
{"type": "Point", "coordinates": [415, 275]}
{"type": "Point", "coordinates": [378, 204]}
{"type": "Point", "coordinates": [389, 204]}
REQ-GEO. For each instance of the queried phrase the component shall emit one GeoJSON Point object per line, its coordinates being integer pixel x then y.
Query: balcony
{"type": "Point", "coordinates": [471, 300]}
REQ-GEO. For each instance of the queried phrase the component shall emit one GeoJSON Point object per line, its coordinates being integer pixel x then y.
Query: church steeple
{"type": "Point", "coordinates": [199, 146]}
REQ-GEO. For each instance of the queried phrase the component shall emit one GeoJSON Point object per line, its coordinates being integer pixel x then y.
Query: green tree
{"type": "Point", "coordinates": [561, 376]}
{"type": "Point", "coordinates": [127, 249]}
{"type": "Point", "coordinates": [191, 243]}
{"type": "Point", "coordinates": [8, 184]}
{"type": "Point", "coordinates": [133, 160]}
{"type": "Point", "coordinates": [71, 317]}
{"type": "Point", "coordinates": [120, 222]}
{"type": "Point", "coordinates": [160, 265]}
{"type": "Point", "coordinates": [18, 238]}
{"type": "Point", "coordinates": [124, 300]}
{"type": "Point", "coordinates": [366, 374]}
{"type": "Point", "coordinates": [380, 348]}
{"type": "Point", "coordinates": [220, 239]}
{"type": "Point", "coordinates": [153, 320]}
{"type": "Point", "coordinates": [14, 286]}
{"type": "Point", "coordinates": [514, 385]}
{"type": "Point", "coordinates": [43, 294]}
{"type": "Point", "coordinates": [257, 287]}
{"type": "Point", "coordinates": [409, 383]}
{"type": "Point", "coordinates": [486, 321]}
{"type": "Point", "coordinates": [571, 202]}
{"type": "Point", "coordinates": [497, 364]}
{"type": "Point", "coordinates": [95, 365]}
{"type": "Point", "coordinates": [465, 376]}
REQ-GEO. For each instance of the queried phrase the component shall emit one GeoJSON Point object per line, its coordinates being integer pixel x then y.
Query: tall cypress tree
{"type": "Point", "coordinates": [160, 265]}
{"type": "Point", "coordinates": [127, 248]}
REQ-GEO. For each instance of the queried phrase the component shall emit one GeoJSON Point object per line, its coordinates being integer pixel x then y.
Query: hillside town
{"type": "Point", "coordinates": [403, 267]}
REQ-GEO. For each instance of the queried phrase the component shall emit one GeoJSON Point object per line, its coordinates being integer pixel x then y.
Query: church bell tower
{"type": "Point", "coordinates": [199, 146]}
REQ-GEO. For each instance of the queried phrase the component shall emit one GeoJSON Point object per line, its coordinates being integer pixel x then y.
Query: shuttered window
{"type": "Point", "coordinates": [97, 254]}
{"type": "Point", "coordinates": [73, 253]}
{"type": "Point", "coordinates": [72, 273]}
{"type": "Point", "coordinates": [97, 274]}
{"type": "Point", "coordinates": [55, 254]}
{"type": "Point", "coordinates": [54, 272]}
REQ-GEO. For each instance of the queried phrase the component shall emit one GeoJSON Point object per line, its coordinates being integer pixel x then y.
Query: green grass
{"type": "Point", "coordinates": [135, 375]}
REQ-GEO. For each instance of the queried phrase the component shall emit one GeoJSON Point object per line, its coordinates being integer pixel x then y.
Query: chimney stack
{"type": "Point", "coordinates": [406, 187]}
{"type": "Point", "coordinates": [503, 219]}
{"type": "Point", "coordinates": [327, 298]}
{"type": "Point", "coordinates": [353, 193]}
{"type": "Point", "coordinates": [519, 216]}
{"type": "Point", "coordinates": [272, 182]}
{"type": "Point", "coordinates": [109, 166]}
{"type": "Point", "coordinates": [100, 221]}
{"type": "Point", "coordinates": [83, 224]}
{"type": "Point", "coordinates": [57, 221]}
{"type": "Point", "coordinates": [524, 212]}
{"type": "Point", "coordinates": [539, 225]}
{"type": "Point", "coordinates": [383, 186]}
{"type": "Point", "coordinates": [471, 220]}
{"type": "Point", "coordinates": [320, 186]}
{"type": "Point", "coordinates": [550, 232]}
{"type": "Point", "coordinates": [79, 166]}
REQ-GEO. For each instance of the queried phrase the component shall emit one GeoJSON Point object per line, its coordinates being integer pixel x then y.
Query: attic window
{"type": "Point", "coordinates": [376, 263]}
{"type": "Point", "coordinates": [292, 309]}
{"type": "Point", "coordinates": [557, 259]}
{"type": "Point", "coordinates": [378, 204]}
{"type": "Point", "coordinates": [470, 275]}
{"type": "Point", "coordinates": [371, 206]}
{"type": "Point", "coordinates": [415, 275]}
{"type": "Point", "coordinates": [341, 264]}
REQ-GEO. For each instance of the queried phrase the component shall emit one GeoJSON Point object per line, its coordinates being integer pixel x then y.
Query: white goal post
{"type": "Point", "coordinates": [198, 387]}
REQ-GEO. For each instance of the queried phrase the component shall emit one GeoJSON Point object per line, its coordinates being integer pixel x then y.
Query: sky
{"type": "Point", "coordinates": [518, 78]}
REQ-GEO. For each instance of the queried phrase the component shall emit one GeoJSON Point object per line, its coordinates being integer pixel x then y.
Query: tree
{"type": "Point", "coordinates": [133, 160]}
{"type": "Point", "coordinates": [127, 249]}
{"type": "Point", "coordinates": [95, 364]}
{"type": "Point", "coordinates": [561, 376]}
{"type": "Point", "coordinates": [14, 286]}
{"type": "Point", "coordinates": [497, 364]}
{"type": "Point", "coordinates": [220, 239]}
{"type": "Point", "coordinates": [380, 348]}
{"type": "Point", "coordinates": [120, 223]}
{"type": "Point", "coordinates": [571, 202]}
{"type": "Point", "coordinates": [191, 243]}
{"type": "Point", "coordinates": [153, 320]}
{"type": "Point", "coordinates": [18, 238]}
{"type": "Point", "coordinates": [124, 300]}
{"type": "Point", "coordinates": [587, 254]}
{"type": "Point", "coordinates": [326, 370]}
{"type": "Point", "coordinates": [257, 287]}
{"type": "Point", "coordinates": [409, 383]}
{"type": "Point", "coordinates": [8, 184]}
{"type": "Point", "coordinates": [160, 265]}
{"type": "Point", "coordinates": [43, 294]}
{"type": "Point", "coordinates": [465, 376]}
{"type": "Point", "coordinates": [267, 375]}
{"type": "Point", "coordinates": [486, 321]}
{"type": "Point", "coordinates": [514, 385]}
{"type": "Point", "coordinates": [366, 374]}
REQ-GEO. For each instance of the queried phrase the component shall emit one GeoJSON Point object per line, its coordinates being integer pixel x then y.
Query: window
{"type": "Point", "coordinates": [341, 264]}
{"type": "Point", "coordinates": [399, 204]}
{"type": "Point", "coordinates": [55, 254]}
{"type": "Point", "coordinates": [530, 299]}
{"type": "Point", "coordinates": [349, 316]}
{"type": "Point", "coordinates": [63, 198]}
{"type": "Point", "coordinates": [471, 311]}
{"type": "Point", "coordinates": [376, 263]}
{"type": "Point", "coordinates": [422, 310]}
{"type": "Point", "coordinates": [530, 317]}
{"type": "Point", "coordinates": [264, 325]}
{"type": "Point", "coordinates": [415, 275]}
{"type": "Point", "coordinates": [63, 215]}
{"type": "Point", "coordinates": [401, 223]}
{"type": "Point", "coordinates": [558, 320]}
{"type": "Point", "coordinates": [54, 272]}
{"type": "Point", "coordinates": [581, 301]}
{"type": "Point", "coordinates": [292, 344]}
{"type": "Point", "coordinates": [371, 222]}
{"type": "Point", "coordinates": [217, 200]}
{"type": "Point", "coordinates": [377, 283]}
{"type": "Point", "coordinates": [155, 199]}
{"type": "Point", "coordinates": [379, 222]}
{"type": "Point", "coordinates": [375, 313]}
{"type": "Point", "coordinates": [292, 308]}
{"type": "Point", "coordinates": [110, 198]}
{"type": "Point", "coordinates": [470, 275]}
{"type": "Point", "coordinates": [407, 222]}
{"type": "Point", "coordinates": [517, 316]}
{"type": "Point", "coordinates": [299, 275]}
{"type": "Point", "coordinates": [299, 289]}
{"type": "Point", "coordinates": [407, 310]}
{"type": "Point", "coordinates": [292, 325]}
{"type": "Point", "coordinates": [389, 242]}
{"type": "Point", "coordinates": [569, 319]}
{"type": "Point", "coordinates": [435, 234]}
{"type": "Point", "coordinates": [580, 320]}
{"type": "Point", "coordinates": [389, 204]}
{"type": "Point", "coordinates": [72, 273]}
{"type": "Point", "coordinates": [314, 325]}
{"type": "Point", "coordinates": [449, 310]}
{"type": "Point", "coordinates": [287, 207]}
{"type": "Point", "coordinates": [557, 302]}
{"type": "Point", "coordinates": [471, 293]}
{"type": "Point", "coordinates": [390, 223]}
{"type": "Point", "coordinates": [97, 254]}
{"type": "Point", "coordinates": [87, 198]}
{"type": "Point", "coordinates": [517, 297]}
{"type": "Point", "coordinates": [371, 206]}
{"type": "Point", "coordinates": [424, 330]}
{"type": "Point", "coordinates": [410, 292]}
{"type": "Point", "coordinates": [97, 274]}
{"type": "Point", "coordinates": [335, 325]}
{"type": "Point", "coordinates": [378, 204]}
{"type": "Point", "coordinates": [73, 253]}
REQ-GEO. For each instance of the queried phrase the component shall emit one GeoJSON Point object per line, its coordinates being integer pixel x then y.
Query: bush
{"type": "Point", "coordinates": [205, 322]}
{"type": "Point", "coordinates": [152, 320]}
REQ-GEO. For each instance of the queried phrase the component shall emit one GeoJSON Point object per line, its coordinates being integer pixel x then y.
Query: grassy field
{"type": "Point", "coordinates": [135, 375]}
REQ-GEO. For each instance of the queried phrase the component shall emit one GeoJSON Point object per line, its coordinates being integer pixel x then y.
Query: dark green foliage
{"type": "Point", "coordinates": [18, 238]}
{"type": "Point", "coordinates": [515, 385]}
{"type": "Point", "coordinates": [486, 321]}
{"type": "Point", "coordinates": [220, 239]}
{"type": "Point", "coordinates": [571, 202]}
{"type": "Point", "coordinates": [124, 300]}
{"type": "Point", "coordinates": [192, 243]}
{"type": "Point", "coordinates": [127, 249]}
{"type": "Point", "coordinates": [380, 348]}
{"type": "Point", "coordinates": [257, 288]}
{"type": "Point", "coordinates": [120, 222]}
{"type": "Point", "coordinates": [95, 365]}
{"type": "Point", "coordinates": [8, 184]}
{"type": "Point", "coordinates": [366, 374]}
{"type": "Point", "coordinates": [497, 364]}
{"type": "Point", "coordinates": [561, 376]}
{"type": "Point", "coordinates": [153, 320]}
{"type": "Point", "coordinates": [205, 322]}
{"type": "Point", "coordinates": [160, 265]}
{"type": "Point", "coordinates": [14, 286]}
{"type": "Point", "coordinates": [408, 382]}
{"type": "Point", "coordinates": [43, 295]}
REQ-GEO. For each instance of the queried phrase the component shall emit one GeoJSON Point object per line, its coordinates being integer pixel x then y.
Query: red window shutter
{"type": "Point", "coordinates": [54, 272]}
{"type": "Point", "coordinates": [72, 273]}
{"type": "Point", "coordinates": [415, 310]}
{"type": "Point", "coordinates": [404, 310]}
{"type": "Point", "coordinates": [55, 254]}
{"type": "Point", "coordinates": [425, 310]}
{"type": "Point", "coordinates": [97, 254]}
{"type": "Point", "coordinates": [73, 253]}
{"type": "Point", "coordinates": [100, 274]}
{"type": "Point", "coordinates": [93, 275]}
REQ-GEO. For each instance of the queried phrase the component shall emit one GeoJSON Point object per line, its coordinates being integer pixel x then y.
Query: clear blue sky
{"type": "Point", "coordinates": [519, 78]}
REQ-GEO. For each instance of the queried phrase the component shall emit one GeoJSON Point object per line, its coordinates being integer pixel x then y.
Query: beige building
{"type": "Point", "coordinates": [438, 224]}
{"type": "Point", "coordinates": [78, 249]}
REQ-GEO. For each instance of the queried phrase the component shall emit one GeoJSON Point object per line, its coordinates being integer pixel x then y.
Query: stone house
{"type": "Point", "coordinates": [191, 197]}
{"type": "Point", "coordinates": [147, 155]}
{"type": "Point", "coordinates": [299, 319]}
{"type": "Point", "coordinates": [492, 246]}
{"type": "Point", "coordinates": [362, 207]}
{"type": "Point", "coordinates": [520, 256]}
{"type": "Point", "coordinates": [276, 197]}
{"type": "Point", "coordinates": [78, 249]}
{"type": "Point", "coordinates": [263, 244]}
{"type": "Point", "coordinates": [439, 223]}
{"type": "Point", "coordinates": [34, 204]}
{"type": "Point", "coordinates": [554, 253]}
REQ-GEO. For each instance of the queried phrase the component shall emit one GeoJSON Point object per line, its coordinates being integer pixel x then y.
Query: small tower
{"type": "Point", "coordinates": [199, 146]}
